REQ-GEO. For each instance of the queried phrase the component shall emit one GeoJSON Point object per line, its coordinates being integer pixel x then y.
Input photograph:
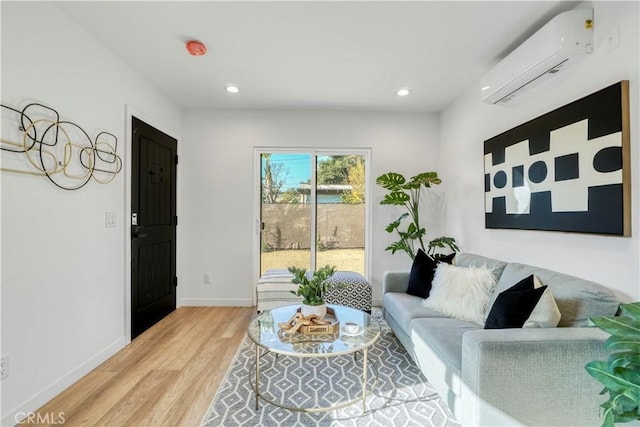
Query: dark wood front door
{"type": "Point", "coordinates": [153, 226]}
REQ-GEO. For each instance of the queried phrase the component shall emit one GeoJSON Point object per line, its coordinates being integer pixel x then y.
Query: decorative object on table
{"type": "Point", "coordinates": [312, 289]}
{"type": "Point", "coordinates": [621, 373]}
{"type": "Point", "coordinates": [407, 193]}
{"type": "Point", "coordinates": [58, 149]}
{"type": "Point", "coordinates": [351, 328]}
{"type": "Point", "coordinates": [311, 324]}
{"type": "Point", "coordinates": [568, 170]}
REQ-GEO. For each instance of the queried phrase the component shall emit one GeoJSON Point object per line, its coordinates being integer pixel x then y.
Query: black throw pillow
{"type": "Point", "coordinates": [422, 272]}
{"type": "Point", "coordinates": [513, 307]}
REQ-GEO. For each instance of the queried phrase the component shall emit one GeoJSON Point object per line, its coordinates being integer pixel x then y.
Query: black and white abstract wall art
{"type": "Point", "coordinates": [568, 170]}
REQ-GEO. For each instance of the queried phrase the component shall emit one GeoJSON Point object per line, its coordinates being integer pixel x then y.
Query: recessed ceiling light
{"type": "Point", "coordinates": [403, 91]}
{"type": "Point", "coordinates": [232, 89]}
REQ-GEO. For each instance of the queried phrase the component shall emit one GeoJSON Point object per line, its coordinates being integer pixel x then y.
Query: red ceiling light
{"type": "Point", "coordinates": [196, 48]}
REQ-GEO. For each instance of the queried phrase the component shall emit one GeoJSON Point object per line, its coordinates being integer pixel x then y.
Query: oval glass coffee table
{"type": "Point", "coordinates": [308, 377]}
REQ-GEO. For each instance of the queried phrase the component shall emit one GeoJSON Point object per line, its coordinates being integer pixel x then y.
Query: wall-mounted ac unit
{"type": "Point", "coordinates": [564, 40]}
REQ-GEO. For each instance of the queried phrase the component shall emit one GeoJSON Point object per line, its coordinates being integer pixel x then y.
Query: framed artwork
{"type": "Point", "coordinates": [568, 170]}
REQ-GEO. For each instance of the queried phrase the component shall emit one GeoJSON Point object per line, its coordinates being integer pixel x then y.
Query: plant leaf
{"type": "Point", "coordinates": [599, 370]}
{"type": "Point", "coordinates": [632, 376]}
{"type": "Point", "coordinates": [608, 418]}
{"type": "Point", "coordinates": [623, 343]}
{"type": "Point", "coordinates": [627, 416]}
{"type": "Point", "coordinates": [414, 234]}
{"type": "Point", "coordinates": [622, 403]}
{"type": "Point", "coordinates": [411, 185]}
{"type": "Point", "coordinates": [619, 325]}
{"type": "Point", "coordinates": [395, 224]}
{"type": "Point", "coordinates": [631, 310]}
{"type": "Point", "coordinates": [444, 241]}
{"type": "Point", "coordinates": [398, 246]}
{"type": "Point", "coordinates": [395, 198]}
{"type": "Point", "coordinates": [624, 359]}
{"type": "Point", "coordinates": [391, 181]}
{"type": "Point", "coordinates": [403, 216]}
{"type": "Point", "coordinates": [427, 179]}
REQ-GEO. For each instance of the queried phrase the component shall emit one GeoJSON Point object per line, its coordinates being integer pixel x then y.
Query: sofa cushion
{"type": "Point", "coordinates": [422, 271]}
{"type": "Point", "coordinates": [404, 308]}
{"type": "Point", "coordinates": [546, 313]}
{"type": "Point", "coordinates": [514, 306]}
{"type": "Point", "coordinates": [578, 299]}
{"type": "Point", "coordinates": [444, 337]}
{"type": "Point", "coordinates": [468, 260]}
{"type": "Point", "coordinates": [461, 292]}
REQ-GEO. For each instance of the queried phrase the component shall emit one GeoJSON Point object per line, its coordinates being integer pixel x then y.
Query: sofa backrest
{"type": "Point", "coordinates": [473, 260]}
{"type": "Point", "coordinates": [578, 299]}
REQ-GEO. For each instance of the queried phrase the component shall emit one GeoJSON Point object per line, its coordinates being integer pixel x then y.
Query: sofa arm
{"type": "Point", "coordinates": [395, 281]}
{"type": "Point", "coordinates": [531, 376]}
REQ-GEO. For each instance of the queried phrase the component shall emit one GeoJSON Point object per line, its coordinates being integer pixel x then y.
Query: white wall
{"type": "Point", "coordinates": [613, 261]}
{"type": "Point", "coordinates": [216, 186]}
{"type": "Point", "coordinates": [63, 272]}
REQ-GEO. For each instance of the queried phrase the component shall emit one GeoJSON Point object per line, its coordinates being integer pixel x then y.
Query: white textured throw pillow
{"type": "Point", "coordinates": [461, 292]}
{"type": "Point", "coordinates": [546, 313]}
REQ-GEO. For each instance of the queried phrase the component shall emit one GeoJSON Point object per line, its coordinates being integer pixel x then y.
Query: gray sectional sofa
{"type": "Point", "coordinates": [500, 377]}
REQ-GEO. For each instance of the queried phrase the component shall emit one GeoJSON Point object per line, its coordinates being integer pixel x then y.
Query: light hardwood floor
{"type": "Point", "coordinates": [165, 377]}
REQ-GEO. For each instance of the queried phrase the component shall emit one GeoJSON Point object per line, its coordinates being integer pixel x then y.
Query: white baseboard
{"type": "Point", "coordinates": [231, 302]}
{"type": "Point", "coordinates": [215, 302]}
{"type": "Point", "coordinates": [234, 302]}
{"type": "Point", "coordinates": [56, 387]}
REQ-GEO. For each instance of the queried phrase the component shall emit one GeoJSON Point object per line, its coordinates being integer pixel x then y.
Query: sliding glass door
{"type": "Point", "coordinates": [313, 209]}
{"type": "Point", "coordinates": [285, 215]}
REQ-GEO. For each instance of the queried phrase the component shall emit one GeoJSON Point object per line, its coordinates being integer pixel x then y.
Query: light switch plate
{"type": "Point", "coordinates": [109, 219]}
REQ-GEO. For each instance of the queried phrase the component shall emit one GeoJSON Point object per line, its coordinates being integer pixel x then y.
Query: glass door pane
{"type": "Point", "coordinates": [285, 211]}
{"type": "Point", "coordinates": [340, 195]}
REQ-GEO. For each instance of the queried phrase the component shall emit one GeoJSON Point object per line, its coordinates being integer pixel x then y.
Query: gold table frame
{"type": "Point", "coordinates": [264, 333]}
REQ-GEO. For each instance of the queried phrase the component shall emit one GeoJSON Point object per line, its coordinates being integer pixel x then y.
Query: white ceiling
{"type": "Point", "coordinates": [305, 54]}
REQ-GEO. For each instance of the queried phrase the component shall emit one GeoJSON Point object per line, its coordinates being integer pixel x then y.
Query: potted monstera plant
{"type": "Point", "coordinates": [620, 374]}
{"type": "Point", "coordinates": [312, 289]}
{"type": "Point", "coordinates": [407, 192]}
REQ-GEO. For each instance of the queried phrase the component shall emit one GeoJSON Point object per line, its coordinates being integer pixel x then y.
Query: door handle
{"type": "Point", "coordinates": [136, 233]}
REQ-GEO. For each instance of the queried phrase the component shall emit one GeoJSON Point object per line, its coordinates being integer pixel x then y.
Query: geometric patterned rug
{"type": "Point", "coordinates": [401, 395]}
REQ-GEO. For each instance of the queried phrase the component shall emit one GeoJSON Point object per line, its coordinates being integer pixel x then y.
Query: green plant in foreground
{"type": "Point", "coordinates": [311, 290]}
{"type": "Point", "coordinates": [407, 193]}
{"type": "Point", "coordinates": [620, 374]}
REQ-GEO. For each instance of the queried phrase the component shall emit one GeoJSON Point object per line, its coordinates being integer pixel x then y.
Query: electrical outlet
{"type": "Point", "coordinates": [4, 366]}
{"type": "Point", "coordinates": [206, 279]}
{"type": "Point", "coordinates": [612, 41]}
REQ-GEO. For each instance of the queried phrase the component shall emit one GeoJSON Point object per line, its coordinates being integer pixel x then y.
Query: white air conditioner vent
{"type": "Point", "coordinates": [563, 41]}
